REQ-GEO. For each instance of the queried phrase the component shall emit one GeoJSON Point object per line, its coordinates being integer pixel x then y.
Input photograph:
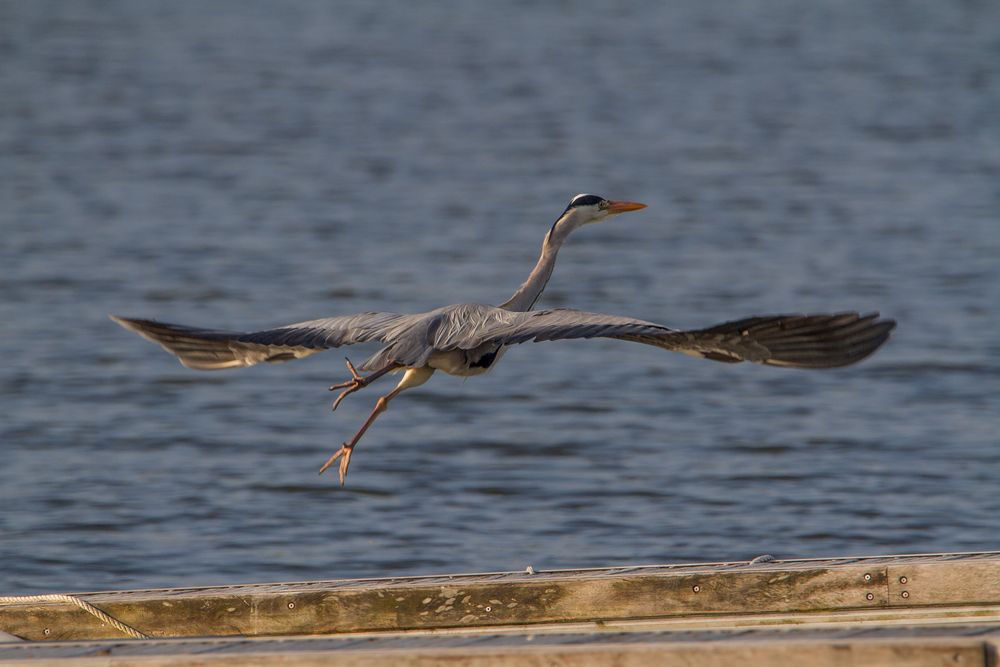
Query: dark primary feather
{"type": "Point", "coordinates": [797, 341]}
{"type": "Point", "coordinates": [213, 349]}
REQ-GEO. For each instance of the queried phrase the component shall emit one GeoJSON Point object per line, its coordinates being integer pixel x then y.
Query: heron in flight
{"type": "Point", "coordinates": [469, 338]}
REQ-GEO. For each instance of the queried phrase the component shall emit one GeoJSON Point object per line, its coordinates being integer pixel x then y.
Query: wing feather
{"type": "Point", "coordinates": [512, 328]}
{"type": "Point", "coordinates": [801, 341]}
{"type": "Point", "coordinates": [214, 349]}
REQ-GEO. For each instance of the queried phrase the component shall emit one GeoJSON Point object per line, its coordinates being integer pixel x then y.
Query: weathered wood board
{"type": "Point", "coordinates": [959, 586]}
{"type": "Point", "coordinates": [961, 646]}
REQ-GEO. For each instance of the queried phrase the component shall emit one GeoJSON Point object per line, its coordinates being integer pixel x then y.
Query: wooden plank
{"type": "Point", "coordinates": [913, 618]}
{"type": "Point", "coordinates": [517, 599]}
{"type": "Point", "coordinates": [934, 654]}
{"type": "Point", "coordinates": [539, 599]}
{"type": "Point", "coordinates": [774, 648]}
{"type": "Point", "coordinates": [964, 581]}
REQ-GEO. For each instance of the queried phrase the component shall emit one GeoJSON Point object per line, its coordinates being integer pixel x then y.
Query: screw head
{"type": "Point", "coordinates": [905, 594]}
{"type": "Point", "coordinates": [47, 632]}
{"type": "Point", "coordinates": [696, 588]}
{"type": "Point", "coordinates": [291, 605]}
{"type": "Point", "coordinates": [868, 577]}
{"type": "Point", "coordinates": [870, 596]}
{"type": "Point", "coordinates": [902, 580]}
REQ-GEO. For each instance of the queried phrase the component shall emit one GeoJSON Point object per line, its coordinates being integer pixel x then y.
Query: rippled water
{"type": "Point", "coordinates": [248, 164]}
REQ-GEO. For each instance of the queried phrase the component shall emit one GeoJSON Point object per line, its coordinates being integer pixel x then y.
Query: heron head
{"type": "Point", "coordinates": [584, 209]}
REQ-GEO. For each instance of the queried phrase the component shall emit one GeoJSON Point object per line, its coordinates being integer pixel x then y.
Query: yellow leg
{"type": "Point", "coordinates": [414, 377]}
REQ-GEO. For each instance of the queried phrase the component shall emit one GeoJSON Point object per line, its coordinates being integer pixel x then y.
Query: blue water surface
{"type": "Point", "coordinates": [248, 164]}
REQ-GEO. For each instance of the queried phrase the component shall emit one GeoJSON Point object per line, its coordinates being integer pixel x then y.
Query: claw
{"type": "Point", "coordinates": [351, 386]}
{"type": "Point", "coordinates": [354, 384]}
{"type": "Point", "coordinates": [347, 392]}
{"type": "Point", "coordinates": [355, 377]}
{"type": "Point", "coordinates": [335, 387]}
{"type": "Point", "coordinates": [344, 394]}
{"type": "Point", "coordinates": [344, 454]}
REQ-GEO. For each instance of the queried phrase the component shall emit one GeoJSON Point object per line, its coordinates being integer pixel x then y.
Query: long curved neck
{"type": "Point", "coordinates": [527, 294]}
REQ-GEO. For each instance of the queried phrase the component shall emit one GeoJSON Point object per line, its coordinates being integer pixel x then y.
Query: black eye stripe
{"type": "Point", "coordinates": [585, 200]}
{"type": "Point", "coordinates": [579, 200]}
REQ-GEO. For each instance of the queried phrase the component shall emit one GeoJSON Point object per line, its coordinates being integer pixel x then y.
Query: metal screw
{"type": "Point", "coordinates": [46, 632]}
{"type": "Point", "coordinates": [291, 605]}
{"type": "Point", "coordinates": [489, 609]}
{"type": "Point", "coordinates": [868, 577]}
{"type": "Point", "coordinates": [902, 580]}
{"type": "Point", "coordinates": [905, 594]}
{"type": "Point", "coordinates": [696, 588]}
{"type": "Point", "coordinates": [870, 596]}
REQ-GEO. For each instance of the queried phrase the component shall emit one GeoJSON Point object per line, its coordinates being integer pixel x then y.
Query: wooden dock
{"type": "Point", "coordinates": [935, 609]}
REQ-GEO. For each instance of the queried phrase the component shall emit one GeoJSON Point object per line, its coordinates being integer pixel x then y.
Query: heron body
{"type": "Point", "coordinates": [466, 363]}
{"type": "Point", "coordinates": [469, 339]}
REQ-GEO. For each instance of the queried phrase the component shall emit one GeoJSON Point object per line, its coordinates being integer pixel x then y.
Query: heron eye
{"type": "Point", "coordinates": [604, 203]}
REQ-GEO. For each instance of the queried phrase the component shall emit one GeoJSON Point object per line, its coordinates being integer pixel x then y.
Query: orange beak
{"type": "Point", "coordinates": [616, 207]}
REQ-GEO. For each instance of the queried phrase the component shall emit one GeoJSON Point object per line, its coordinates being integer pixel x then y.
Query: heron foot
{"type": "Point", "coordinates": [354, 384]}
{"type": "Point", "coordinates": [344, 454]}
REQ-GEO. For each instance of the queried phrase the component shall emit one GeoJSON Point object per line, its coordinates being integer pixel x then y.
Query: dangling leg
{"type": "Point", "coordinates": [414, 377]}
{"type": "Point", "coordinates": [358, 382]}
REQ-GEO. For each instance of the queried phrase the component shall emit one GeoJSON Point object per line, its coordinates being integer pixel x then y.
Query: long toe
{"type": "Point", "coordinates": [343, 395]}
{"type": "Point", "coordinates": [352, 369]}
{"type": "Point", "coordinates": [329, 462]}
{"type": "Point", "coordinates": [344, 463]}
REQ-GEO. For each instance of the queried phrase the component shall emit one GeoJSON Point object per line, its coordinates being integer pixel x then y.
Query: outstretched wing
{"type": "Point", "coordinates": [212, 349]}
{"type": "Point", "coordinates": [795, 341]}
{"type": "Point", "coordinates": [800, 341]}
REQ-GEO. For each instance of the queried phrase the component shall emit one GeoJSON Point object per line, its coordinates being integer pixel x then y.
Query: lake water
{"type": "Point", "coordinates": [245, 165]}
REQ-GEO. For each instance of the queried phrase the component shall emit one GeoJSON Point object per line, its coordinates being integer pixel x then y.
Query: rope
{"type": "Point", "coordinates": [82, 604]}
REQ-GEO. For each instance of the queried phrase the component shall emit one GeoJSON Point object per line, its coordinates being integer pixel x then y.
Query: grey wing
{"type": "Point", "coordinates": [803, 341]}
{"type": "Point", "coordinates": [794, 341]}
{"type": "Point", "coordinates": [213, 349]}
{"type": "Point", "coordinates": [485, 325]}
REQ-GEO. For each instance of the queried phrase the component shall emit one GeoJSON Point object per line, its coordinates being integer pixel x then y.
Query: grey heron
{"type": "Point", "coordinates": [469, 338]}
